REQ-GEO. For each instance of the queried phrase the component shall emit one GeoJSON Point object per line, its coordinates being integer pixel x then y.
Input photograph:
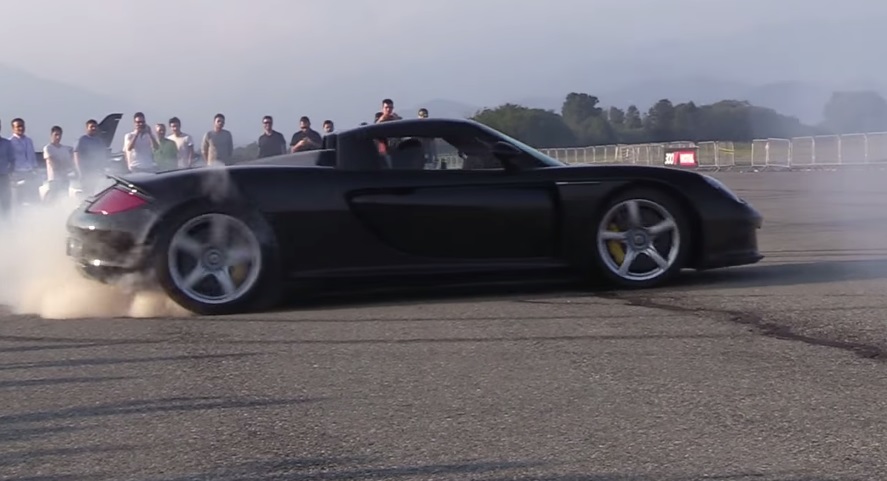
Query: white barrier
{"type": "Point", "coordinates": [799, 152]}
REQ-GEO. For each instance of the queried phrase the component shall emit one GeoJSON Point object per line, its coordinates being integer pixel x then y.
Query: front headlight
{"type": "Point", "coordinates": [718, 185]}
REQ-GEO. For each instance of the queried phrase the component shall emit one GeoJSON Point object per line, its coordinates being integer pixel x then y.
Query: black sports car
{"type": "Point", "coordinates": [432, 199]}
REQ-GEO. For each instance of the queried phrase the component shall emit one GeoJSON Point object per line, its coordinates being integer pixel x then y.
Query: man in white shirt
{"type": "Point", "coordinates": [139, 146]}
{"type": "Point", "coordinates": [59, 165]}
{"type": "Point", "coordinates": [184, 143]}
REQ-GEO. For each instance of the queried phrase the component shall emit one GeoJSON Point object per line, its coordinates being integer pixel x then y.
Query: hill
{"type": "Point", "coordinates": [43, 103]}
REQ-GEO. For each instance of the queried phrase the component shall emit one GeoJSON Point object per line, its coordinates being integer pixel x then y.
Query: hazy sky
{"type": "Point", "coordinates": [338, 59]}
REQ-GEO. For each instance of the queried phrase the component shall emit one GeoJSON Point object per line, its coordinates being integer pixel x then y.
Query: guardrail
{"type": "Point", "coordinates": [799, 152]}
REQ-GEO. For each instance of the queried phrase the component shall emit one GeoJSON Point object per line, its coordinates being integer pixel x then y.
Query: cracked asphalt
{"type": "Point", "coordinates": [768, 372]}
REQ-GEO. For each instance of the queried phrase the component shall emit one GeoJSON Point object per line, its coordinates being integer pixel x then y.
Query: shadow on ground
{"type": "Point", "coordinates": [340, 469]}
{"type": "Point", "coordinates": [32, 427]}
{"type": "Point", "coordinates": [754, 276]}
{"type": "Point", "coordinates": [147, 406]}
{"type": "Point", "coordinates": [761, 275]}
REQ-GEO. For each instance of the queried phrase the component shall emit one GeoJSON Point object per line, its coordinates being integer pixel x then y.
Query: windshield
{"type": "Point", "coordinates": [517, 143]}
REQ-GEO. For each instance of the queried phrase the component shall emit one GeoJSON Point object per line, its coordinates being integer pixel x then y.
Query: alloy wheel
{"type": "Point", "coordinates": [638, 240]}
{"type": "Point", "coordinates": [214, 258]}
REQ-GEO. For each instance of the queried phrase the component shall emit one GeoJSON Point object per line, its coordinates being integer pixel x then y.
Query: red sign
{"type": "Point", "coordinates": [681, 158]}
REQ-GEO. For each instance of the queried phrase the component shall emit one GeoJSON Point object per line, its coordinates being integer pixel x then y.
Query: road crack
{"type": "Point", "coordinates": [759, 324]}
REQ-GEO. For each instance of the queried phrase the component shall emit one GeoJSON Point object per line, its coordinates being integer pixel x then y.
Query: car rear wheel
{"type": "Point", "coordinates": [642, 239]}
{"type": "Point", "coordinates": [216, 262]}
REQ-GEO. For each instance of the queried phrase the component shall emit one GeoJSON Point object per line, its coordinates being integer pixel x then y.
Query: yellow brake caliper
{"type": "Point", "coordinates": [238, 273]}
{"type": "Point", "coordinates": [615, 247]}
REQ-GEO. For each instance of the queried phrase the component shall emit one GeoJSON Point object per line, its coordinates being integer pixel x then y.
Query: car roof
{"type": "Point", "coordinates": [419, 125]}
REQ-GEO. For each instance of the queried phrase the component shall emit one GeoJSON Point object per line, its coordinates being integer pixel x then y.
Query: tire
{"type": "Point", "coordinates": [610, 250]}
{"type": "Point", "coordinates": [184, 249]}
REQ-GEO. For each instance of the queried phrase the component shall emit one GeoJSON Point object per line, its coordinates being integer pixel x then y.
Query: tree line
{"type": "Point", "coordinates": [582, 121]}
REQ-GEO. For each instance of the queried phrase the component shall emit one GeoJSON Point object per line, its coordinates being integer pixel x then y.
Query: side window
{"type": "Point", "coordinates": [436, 153]}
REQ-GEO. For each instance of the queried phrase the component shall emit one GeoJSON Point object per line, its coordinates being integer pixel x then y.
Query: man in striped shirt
{"type": "Point", "coordinates": [25, 164]}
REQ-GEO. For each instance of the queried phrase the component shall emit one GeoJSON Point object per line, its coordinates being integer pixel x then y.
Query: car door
{"type": "Point", "coordinates": [447, 214]}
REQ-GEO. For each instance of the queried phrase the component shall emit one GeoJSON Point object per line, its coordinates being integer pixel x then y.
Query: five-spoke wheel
{"type": "Point", "coordinates": [214, 258]}
{"type": "Point", "coordinates": [639, 239]}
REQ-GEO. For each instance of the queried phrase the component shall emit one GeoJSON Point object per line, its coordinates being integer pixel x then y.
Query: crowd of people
{"type": "Point", "coordinates": [144, 149]}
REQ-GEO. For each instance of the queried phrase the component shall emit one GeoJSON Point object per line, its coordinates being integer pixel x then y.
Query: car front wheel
{"type": "Point", "coordinates": [642, 239]}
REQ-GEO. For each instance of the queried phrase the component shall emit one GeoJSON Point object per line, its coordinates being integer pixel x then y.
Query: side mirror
{"type": "Point", "coordinates": [503, 150]}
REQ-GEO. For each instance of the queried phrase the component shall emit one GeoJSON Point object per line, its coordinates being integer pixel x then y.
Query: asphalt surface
{"type": "Point", "coordinates": [768, 372]}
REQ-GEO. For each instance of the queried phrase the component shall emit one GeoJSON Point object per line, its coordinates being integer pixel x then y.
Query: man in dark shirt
{"type": "Point", "coordinates": [271, 142]}
{"type": "Point", "coordinates": [305, 138]}
{"type": "Point", "coordinates": [90, 154]}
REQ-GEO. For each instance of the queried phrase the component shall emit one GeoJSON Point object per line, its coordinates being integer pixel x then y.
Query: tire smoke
{"type": "Point", "coordinates": [41, 280]}
{"type": "Point", "coordinates": [215, 182]}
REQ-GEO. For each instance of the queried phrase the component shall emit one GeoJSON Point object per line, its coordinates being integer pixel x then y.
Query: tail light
{"type": "Point", "coordinates": [116, 200]}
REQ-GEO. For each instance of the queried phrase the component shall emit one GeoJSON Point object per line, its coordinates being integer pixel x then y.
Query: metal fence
{"type": "Point", "coordinates": [819, 151]}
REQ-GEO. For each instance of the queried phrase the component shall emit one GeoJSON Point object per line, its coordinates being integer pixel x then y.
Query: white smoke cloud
{"type": "Point", "coordinates": [40, 279]}
{"type": "Point", "coordinates": [215, 183]}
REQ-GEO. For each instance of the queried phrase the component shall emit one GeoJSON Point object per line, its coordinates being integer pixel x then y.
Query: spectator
{"type": "Point", "coordinates": [25, 163]}
{"type": "Point", "coordinates": [271, 142]}
{"type": "Point", "coordinates": [90, 156]}
{"type": "Point", "coordinates": [7, 164]}
{"type": "Point", "coordinates": [328, 127]}
{"type": "Point", "coordinates": [387, 112]}
{"type": "Point", "coordinates": [166, 153]}
{"type": "Point", "coordinates": [139, 146]}
{"type": "Point", "coordinates": [59, 164]}
{"type": "Point", "coordinates": [429, 145]}
{"type": "Point", "coordinates": [218, 145]}
{"type": "Point", "coordinates": [305, 138]}
{"type": "Point", "coordinates": [184, 143]}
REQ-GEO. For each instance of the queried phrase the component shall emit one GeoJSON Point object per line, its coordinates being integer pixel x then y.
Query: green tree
{"type": "Point", "coordinates": [724, 120]}
{"type": "Point", "coordinates": [582, 122]}
{"type": "Point", "coordinates": [616, 117]}
{"type": "Point", "coordinates": [633, 118]}
{"type": "Point", "coordinates": [579, 108]}
{"type": "Point", "coordinates": [532, 126]}
{"type": "Point", "coordinates": [659, 121]}
{"type": "Point", "coordinates": [686, 121]}
{"type": "Point", "coordinates": [582, 115]}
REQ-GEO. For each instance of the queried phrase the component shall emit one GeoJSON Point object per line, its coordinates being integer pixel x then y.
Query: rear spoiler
{"type": "Point", "coordinates": [121, 182]}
